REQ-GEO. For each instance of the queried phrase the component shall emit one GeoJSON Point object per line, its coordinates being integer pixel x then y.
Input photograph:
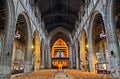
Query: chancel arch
{"type": "Point", "coordinates": [60, 34]}
{"type": "Point", "coordinates": [64, 35]}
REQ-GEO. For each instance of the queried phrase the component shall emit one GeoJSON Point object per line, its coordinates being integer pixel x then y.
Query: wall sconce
{"type": "Point", "coordinates": [32, 46]}
{"type": "Point", "coordinates": [87, 46]}
{"type": "Point", "coordinates": [102, 34]}
{"type": "Point", "coordinates": [8, 53]}
{"type": "Point", "coordinates": [112, 53]}
{"type": "Point", "coordinates": [17, 35]}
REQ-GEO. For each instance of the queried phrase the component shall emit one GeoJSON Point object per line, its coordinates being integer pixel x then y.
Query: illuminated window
{"type": "Point", "coordinates": [60, 49]}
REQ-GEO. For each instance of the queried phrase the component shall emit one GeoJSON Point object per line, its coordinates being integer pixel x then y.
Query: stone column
{"type": "Point", "coordinates": [28, 57]}
{"type": "Point", "coordinates": [91, 55]}
{"type": "Point", "coordinates": [43, 56]}
{"type": "Point", "coordinates": [77, 63]}
{"type": "Point", "coordinates": [49, 56]}
{"type": "Point", "coordinates": [70, 56]}
{"type": "Point", "coordinates": [113, 50]}
{"type": "Point", "coordinates": [1, 50]}
{"type": "Point", "coordinates": [46, 57]}
{"type": "Point", "coordinates": [111, 36]}
{"type": "Point", "coordinates": [6, 54]}
{"type": "Point", "coordinates": [74, 56]}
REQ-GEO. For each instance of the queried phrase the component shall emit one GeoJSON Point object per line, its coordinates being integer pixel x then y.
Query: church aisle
{"type": "Point", "coordinates": [66, 74]}
{"type": "Point", "coordinates": [60, 74]}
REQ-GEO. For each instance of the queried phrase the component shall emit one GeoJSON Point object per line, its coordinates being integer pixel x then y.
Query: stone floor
{"type": "Point", "coordinates": [66, 74]}
{"type": "Point", "coordinates": [60, 75]}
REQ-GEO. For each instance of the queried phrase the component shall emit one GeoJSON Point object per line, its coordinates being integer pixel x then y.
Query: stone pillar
{"type": "Point", "coordinates": [76, 48]}
{"type": "Point", "coordinates": [91, 55]}
{"type": "Point", "coordinates": [49, 56]}
{"type": "Point", "coordinates": [1, 50]}
{"type": "Point", "coordinates": [113, 50]}
{"type": "Point", "coordinates": [74, 56]}
{"type": "Point", "coordinates": [28, 57]}
{"type": "Point", "coordinates": [70, 56]}
{"type": "Point", "coordinates": [6, 54]}
{"type": "Point", "coordinates": [43, 56]}
{"type": "Point", "coordinates": [111, 36]}
{"type": "Point", "coordinates": [46, 57]}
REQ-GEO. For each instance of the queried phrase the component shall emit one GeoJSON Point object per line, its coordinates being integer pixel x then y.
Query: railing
{"type": "Point", "coordinates": [60, 62]}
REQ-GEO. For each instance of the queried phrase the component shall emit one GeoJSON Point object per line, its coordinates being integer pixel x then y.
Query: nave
{"type": "Point", "coordinates": [61, 74]}
{"type": "Point", "coordinates": [36, 35]}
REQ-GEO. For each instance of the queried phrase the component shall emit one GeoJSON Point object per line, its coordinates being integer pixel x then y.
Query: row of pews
{"type": "Point", "coordinates": [70, 73]}
{"type": "Point", "coordinates": [77, 74]}
{"type": "Point", "coordinates": [42, 74]}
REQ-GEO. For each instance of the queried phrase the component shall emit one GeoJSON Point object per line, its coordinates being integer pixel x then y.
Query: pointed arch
{"type": "Point", "coordinates": [83, 51]}
{"type": "Point", "coordinates": [37, 50]}
{"type": "Point", "coordinates": [21, 45]}
{"type": "Point", "coordinates": [98, 44]}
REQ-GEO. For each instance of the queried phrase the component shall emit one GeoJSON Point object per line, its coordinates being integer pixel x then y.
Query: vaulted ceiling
{"type": "Point", "coordinates": [59, 13]}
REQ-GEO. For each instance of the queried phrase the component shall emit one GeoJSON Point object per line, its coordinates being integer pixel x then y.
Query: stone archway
{"type": "Point", "coordinates": [36, 51]}
{"type": "Point", "coordinates": [83, 51]}
{"type": "Point", "coordinates": [66, 36]}
{"type": "Point", "coordinates": [19, 46]}
{"type": "Point", "coordinates": [98, 42]}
